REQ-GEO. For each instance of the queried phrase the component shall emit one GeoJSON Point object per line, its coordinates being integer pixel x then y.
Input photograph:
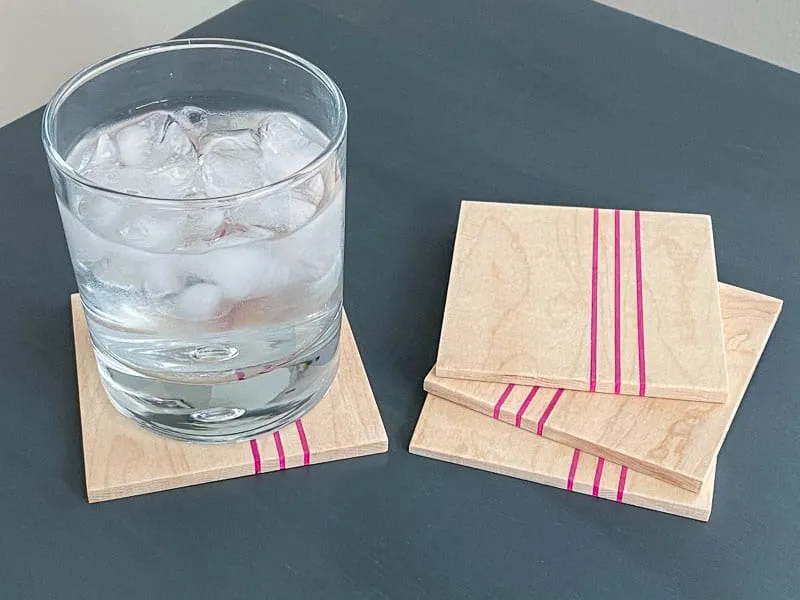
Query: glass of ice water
{"type": "Point", "coordinates": [201, 185]}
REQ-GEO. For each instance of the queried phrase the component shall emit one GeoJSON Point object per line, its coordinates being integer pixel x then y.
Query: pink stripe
{"type": "Point", "coordinates": [639, 301]}
{"type": "Point", "coordinates": [524, 407]}
{"type": "Point", "coordinates": [598, 475]}
{"type": "Point", "coordinates": [573, 467]}
{"type": "Point", "coordinates": [279, 447]}
{"type": "Point", "coordinates": [550, 406]}
{"type": "Point", "coordinates": [593, 343]}
{"type": "Point", "coordinates": [623, 475]}
{"type": "Point", "coordinates": [501, 400]}
{"type": "Point", "coordinates": [256, 456]}
{"type": "Point", "coordinates": [617, 328]}
{"type": "Point", "coordinates": [303, 442]}
{"type": "Point", "coordinates": [240, 375]}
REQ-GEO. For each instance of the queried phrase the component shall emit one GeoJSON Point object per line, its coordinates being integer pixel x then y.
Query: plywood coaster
{"type": "Point", "coordinates": [449, 432]}
{"type": "Point", "coordinates": [672, 440]}
{"type": "Point", "coordinates": [122, 459]}
{"type": "Point", "coordinates": [621, 302]}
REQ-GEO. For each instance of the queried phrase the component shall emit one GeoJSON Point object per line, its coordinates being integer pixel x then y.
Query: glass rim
{"type": "Point", "coordinates": [88, 73]}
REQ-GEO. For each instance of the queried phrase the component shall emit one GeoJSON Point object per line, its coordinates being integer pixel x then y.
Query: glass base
{"type": "Point", "coordinates": [224, 412]}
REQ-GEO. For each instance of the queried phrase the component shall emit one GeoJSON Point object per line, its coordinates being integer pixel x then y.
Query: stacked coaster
{"type": "Point", "coordinates": [592, 350]}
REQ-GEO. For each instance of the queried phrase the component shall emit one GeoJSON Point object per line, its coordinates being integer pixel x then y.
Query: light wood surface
{"type": "Point", "coordinates": [593, 300]}
{"type": "Point", "coordinates": [453, 433]}
{"type": "Point", "coordinates": [122, 459]}
{"type": "Point", "coordinates": [672, 440]}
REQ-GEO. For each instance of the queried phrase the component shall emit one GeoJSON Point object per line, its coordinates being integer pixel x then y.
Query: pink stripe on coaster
{"type": "Point", "coordinates": [279, 447]}
{"type": "Point", "coordinates": [593, 342]}
{"type": "Point", "coordinates": [546, 414]}
{"type": "Point", "coordinates": [303, 442]}
{"type": "Point", "coordinates": [623, 475]}
{"type": "Point", "coordinates": [637, 225]}
{"type": "Point", "coordinates": [524, 407]}
{"type": "Point", "coordinates": [617, 327]}
{"type": "Point", "coordinates": [256, 456]}
{"type": "Point", "coordinates": [573, 467]}
{"type": "Point", "coordinates": [598, 476]}
{"type": "Point", "coordinates": [501, 400]}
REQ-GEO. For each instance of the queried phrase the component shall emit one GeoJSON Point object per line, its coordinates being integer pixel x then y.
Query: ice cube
{"type": "Point", "coordinates": [225, 175]}
{"type": "Point", "coordinates": [280, 130]}
{"type": "Point", "coordinates": [288, 144]}
{"type": "Point", "coordinates": [281, 214]}
{"type": "Point", "coordinates": [311, 191]}
{"type": "Point", "coordinates": [154, 231]}
{"type": "Point", "coordinates": [96, 211]}
{"type": "Point", "coordinates": [231, 163]}
{"type": "Point", "coordinates": [193, 120]}
{"type": "Point", "coordinates": [235, 234]}
{"type": "Point", "coordinates": [151, 156]}
{"type": "Point", "coordinates": [290, 160]}
{"type": "Point", "coordinates": [205, 224]}
{"type": "Point", "coordinates": [200, 302]}
{"type": "Point", "coordinates": [104, 154]}
{"type": "Point", "coordinates": [176, 141]}
{"type": "Point", "coordinates": [291, 216]}
{"type": "Point", "coordinates": [232, 121]}
{"type": "Point", "coordinates": [152, 141]}
{"type": "Point", "coordinates": [177, 180]}
{"type": "Point", "coordinates": [137, 140]}
{"type": "Point", "coordinates": [279, 275]}
{"type": "Point", "coordinates": [320, 242]}
{"type": "Point", "coordinates": [162, 276]}
{"type": "Point", "coordinates": [120, 268]}
{"type": "Point", "coordinates": [238, 142]}
{"type": "Point", "coordinates": [85, 245]}
{"type": "Point", "coordinates": [237, 270]}
{"type": "Point", "coordinates": [314, 190]}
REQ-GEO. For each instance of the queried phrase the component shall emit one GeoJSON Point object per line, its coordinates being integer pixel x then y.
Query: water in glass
{"type": "Point", "coordinates": [225, 313]}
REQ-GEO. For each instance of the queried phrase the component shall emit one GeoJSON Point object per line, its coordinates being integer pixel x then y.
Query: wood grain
{"type": "Point", "coordinates": [525, 303]}
{"type": "Point", "coordinates": [453, 433]}
{"type": "Point", "coordinates": [672, 440]}
{"type": "Point", "coordinates": [122, 459]}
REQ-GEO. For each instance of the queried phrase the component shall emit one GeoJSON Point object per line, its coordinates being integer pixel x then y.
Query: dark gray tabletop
{"type": "Point", "coordinates": [550, 101]}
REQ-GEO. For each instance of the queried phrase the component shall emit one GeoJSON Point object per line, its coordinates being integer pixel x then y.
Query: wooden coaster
{"type": "Point", "coordinates": [621, 302]}
{"type": "Point", "coordinates": [452, 433]}
{"type": "Point", "coordinates": [672, 440]}
{"type": "Point", "coordinates": [123, 459]}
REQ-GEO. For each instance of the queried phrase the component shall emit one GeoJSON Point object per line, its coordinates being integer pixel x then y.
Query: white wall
{"type": "Point", "coordinates": [766, 29]}
{"type": "Point", "coordinates": [42, 42]}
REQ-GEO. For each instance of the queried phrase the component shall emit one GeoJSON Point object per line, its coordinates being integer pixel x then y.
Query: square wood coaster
{"type": "Point", "coordinates": [671, 440]}
{"type": "Point", "coordinates": [614, 301]}
{"type": "Point", "coordinates": [122, 459]}
{"type": "Point", "coordinates": [453, 433]}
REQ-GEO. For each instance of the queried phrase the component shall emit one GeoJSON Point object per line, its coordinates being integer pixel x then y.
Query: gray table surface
{"type": "Point", "coordinates": [549, 101]}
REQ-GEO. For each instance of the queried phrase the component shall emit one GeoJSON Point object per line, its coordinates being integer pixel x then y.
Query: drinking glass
{"type": "Point", "coordinates": [214, 317]}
